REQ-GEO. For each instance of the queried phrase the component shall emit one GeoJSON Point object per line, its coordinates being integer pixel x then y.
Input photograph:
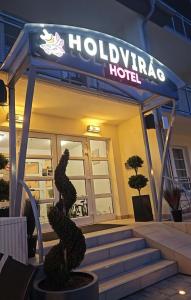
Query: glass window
{"type": "Point", "coordinates": [38, 167]}
{"type": "Point", "coordinates": [98, 148]}
{"type": "Point", "coordinates": [41, 190]}
{"type": "Point", "coordinates": [79, 209]}
{"type": "Point", "coordinates": [4, 149]}
{"type": "Point", "coordinates": [100, 167]}
{"type": "Point", "coordinates": [180, 167]}
{"type": "Point", "coordinates": [104, 205]}
{"type": "Point", "coordinates": [80, 187]}
{"type": "Point", "coordinates": [102, 186]}
{"type": "Point", "coordinates": [4, 142]}
{"type": "Point", "coordinates": [178, 153]}
{"type": "Point", "coordinates": [75, 148]}
{"type": "Point", "coordinates": [39, 146]}
{"type": "Point", "coordinates": [44, 210]}
{"type": "Point", "coordinates": [75, 168]}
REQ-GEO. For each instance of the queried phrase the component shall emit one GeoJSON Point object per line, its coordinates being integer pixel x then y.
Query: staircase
{"type": "Point", "coordinates": [124, 264]}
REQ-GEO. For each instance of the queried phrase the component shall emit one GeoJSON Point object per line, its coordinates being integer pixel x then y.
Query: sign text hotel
{"type": "Point", "coordinates": [121, 62]}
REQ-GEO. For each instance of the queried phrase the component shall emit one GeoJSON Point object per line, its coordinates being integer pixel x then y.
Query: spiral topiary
{"type": "Point", "coordinates": [69, 252]}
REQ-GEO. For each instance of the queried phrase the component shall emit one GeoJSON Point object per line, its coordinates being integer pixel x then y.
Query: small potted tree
{"type": "Point", "coordinates": [172, 197]}
{"type": "Point", "coordinates": [4, 189]}
{"type": "Point", "coordinates": [141, 203]}
{"type": "Point", "coordinates": [60, 282]}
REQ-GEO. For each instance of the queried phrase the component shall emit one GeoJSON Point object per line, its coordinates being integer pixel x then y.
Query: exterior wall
{"type": "Point", "coordinates": [131, 143]}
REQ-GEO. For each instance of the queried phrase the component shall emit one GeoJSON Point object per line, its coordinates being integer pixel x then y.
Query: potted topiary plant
{"type": "Point", "coordinates": [4, 189]}
{"type": "Point", "coordinates": [172, 197]}
{"type": "Point", "coordinates": [60, 282]}
{"type": "Point", "coordinates": [141, 204]}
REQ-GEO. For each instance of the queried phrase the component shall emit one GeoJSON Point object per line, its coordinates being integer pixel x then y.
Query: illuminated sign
{"type": "Point", "coordinates": [123, 63]}
{"type": "Point", "coordinates": [53, 43]}
{"type": "Point", "coordinates": [101, 56]}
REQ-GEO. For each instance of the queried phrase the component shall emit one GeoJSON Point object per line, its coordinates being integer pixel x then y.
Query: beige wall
{"type": "Point", "coordinates": [131, 143]}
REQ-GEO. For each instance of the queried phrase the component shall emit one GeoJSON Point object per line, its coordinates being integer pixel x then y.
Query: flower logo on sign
{"type": "Point", "coordinates": [53, 43]}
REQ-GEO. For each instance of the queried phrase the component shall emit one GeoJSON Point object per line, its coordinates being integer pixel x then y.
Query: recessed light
{"type": "Point", "coordinates": [181, 292]}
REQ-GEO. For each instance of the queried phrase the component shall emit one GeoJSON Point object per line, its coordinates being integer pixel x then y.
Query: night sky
{"type": "Point", "coordinates": [70, 11]}
{"type": "Point", "coordinates": [183, 6]}
{"type": "Point", "coordinates": [53, 11]}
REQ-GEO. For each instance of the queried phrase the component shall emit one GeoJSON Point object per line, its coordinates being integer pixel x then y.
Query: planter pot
{"type": "Point", "coordinates": [142, 208]}
{"type": "Point", "coordinates": [31, 246]}
{"type": "Point", "coordinates": [4, 212]}
{"type": "Point", "coordinates": [89, 291]}
{"type": "Point", "coordinates": [177, 215]}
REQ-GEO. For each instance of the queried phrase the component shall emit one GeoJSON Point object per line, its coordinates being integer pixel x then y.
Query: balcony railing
{"type": "Point", "coordinates": [176, 21]}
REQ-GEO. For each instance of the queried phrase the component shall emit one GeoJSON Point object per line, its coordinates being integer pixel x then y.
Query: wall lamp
{"type": "Point", "coordinates": [93, 128]}
{"type": "Point", "coordinates": [18, 118]}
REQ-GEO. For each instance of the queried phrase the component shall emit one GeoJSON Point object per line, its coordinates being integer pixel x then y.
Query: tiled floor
{"type": "Point", "coordinates": [166, 290]}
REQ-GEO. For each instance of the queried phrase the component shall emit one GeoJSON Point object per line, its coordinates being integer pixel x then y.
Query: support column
{"type": "Point", "coordinates": [24, 138]}
{"type": "Point", "coordinates": [164, 159]}
{"type": "Point", "coordinates": [157, 120]}
{"type": "Point", "coordinates": [150, 167]}
{"type": "Point", "coordinates": [12, 151]}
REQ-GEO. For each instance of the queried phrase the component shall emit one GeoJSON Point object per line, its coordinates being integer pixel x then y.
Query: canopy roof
{"type": "Point", "coordinates": [52, 49]}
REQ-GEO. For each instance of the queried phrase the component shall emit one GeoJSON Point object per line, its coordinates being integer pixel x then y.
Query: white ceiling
{"type": "Point", "coordinates": [50, 99]}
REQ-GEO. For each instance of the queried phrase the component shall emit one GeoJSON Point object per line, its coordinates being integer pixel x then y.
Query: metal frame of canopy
{"type": "Point", "coordinates": [18, 62]}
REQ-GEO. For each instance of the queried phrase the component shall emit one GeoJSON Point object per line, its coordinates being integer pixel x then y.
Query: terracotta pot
{"type": "Point", "coordinates": [89, 291]}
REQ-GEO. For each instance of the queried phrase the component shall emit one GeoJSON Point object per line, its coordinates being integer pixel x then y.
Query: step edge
{"type": "Point", "coordinates": [159, 265]}
{"type": "Point", "coordinates": [114, 244]}
{"type": "Point", "coordinates": [122, 258]}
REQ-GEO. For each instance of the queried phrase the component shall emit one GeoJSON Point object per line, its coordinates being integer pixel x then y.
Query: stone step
{"type": "Point", "coordinates": [113, 266]}
{"type": "Point", "coordinates": [110, 250]}
{"type": "Point", "coordinates": [130, 282]}
{"type": "Point", "coordinates": [107, 236]}
{"type": "Point", "coordinates": [98, 238]}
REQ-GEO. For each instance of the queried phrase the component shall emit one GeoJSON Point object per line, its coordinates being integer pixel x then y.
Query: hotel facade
{"type": "Point", "coordinates": [98, 105]}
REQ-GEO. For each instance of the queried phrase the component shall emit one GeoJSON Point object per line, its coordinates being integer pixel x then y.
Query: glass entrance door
{"type": "Point", "coordinates": [101, 180]}
{"type": "Point", "coordinates": [39, 175]}
{"type": "Point", "coordinates": [79, 174]}
{"type": "Point", "coordinates": [88, 170]}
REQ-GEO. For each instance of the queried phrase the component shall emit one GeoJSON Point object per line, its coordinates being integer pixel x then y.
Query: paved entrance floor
{"type": "Point", "coordinates": [167, 289]}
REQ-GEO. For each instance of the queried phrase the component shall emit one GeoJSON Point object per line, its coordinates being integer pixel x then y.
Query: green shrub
{"type": "Point", "coordinates": [137, 181]}
{"type": "Point", "coordinates": [134, 162]}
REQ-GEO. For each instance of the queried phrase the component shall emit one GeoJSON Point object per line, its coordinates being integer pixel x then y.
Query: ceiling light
{"type": "Point", "coordinates": [93, 128]}
{"type": "Point", "coordinates": [181, 292]}
{"type": "Point", "coordinates": [18, 118]}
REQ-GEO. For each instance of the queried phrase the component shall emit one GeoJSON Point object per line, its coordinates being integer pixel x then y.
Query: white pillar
{"type": "Point", "coordinates": [24, 138]}
{"type": "Point", "coordinates": [12, 151]}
